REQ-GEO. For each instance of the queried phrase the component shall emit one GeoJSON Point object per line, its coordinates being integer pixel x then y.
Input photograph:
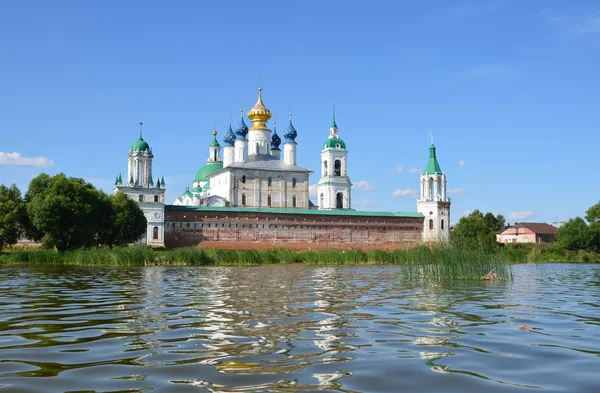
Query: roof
{"type": "Point", "coordinates": [433, 166]}
{"type": "Point", "coordinates": [207, 169]}
{"type": "Point", "coordinates": [140, 145]}
{"type": "Point", "coordinates": [535, 227]}
{"type": "Point", "coordinates": [314, 212]}
{"type": "Point", "coordinates": [267, 162]}
{"type": "Point", "coordinates": [334, 143]}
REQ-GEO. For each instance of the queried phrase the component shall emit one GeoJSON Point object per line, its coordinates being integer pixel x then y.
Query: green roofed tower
{"type": "Point", "coordinates": [433, 203]}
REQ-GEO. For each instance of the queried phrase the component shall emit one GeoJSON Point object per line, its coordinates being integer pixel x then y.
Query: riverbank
{"type": "Point", "coordinates": [444, 262]}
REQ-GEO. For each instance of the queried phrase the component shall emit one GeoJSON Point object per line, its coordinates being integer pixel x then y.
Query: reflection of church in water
{"type": "Point", "coordinates": [254, 177]}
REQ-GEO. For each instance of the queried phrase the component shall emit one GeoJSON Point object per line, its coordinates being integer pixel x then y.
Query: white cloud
{"type": "Point", "coordinates": [16, 159]}
{"type": "Point", "coordinates": [363, 202]}
{"type": "Point", "coordinates": [398, 169]}
{"type": "Point", "coordinates": [363, 185]}
{"type": "Point", "coordinates": [415, 170]}
{"type": "Point", "coordinates": [456, 191]}
{"type": "Point", "coordinates": [489, 71]}
{"type": "Point", "coordinates": [405, 192]}
{"type": "Point", "coordinates": [461, 163]}
{"type": "Point", "coordinates": [467, 212]}
{"type": "Point", "coordinates": [312, 192]}
{"type": "Point", "coordinates": [520, 215]}
{"type": "Point", "coordinates": [574, 26]}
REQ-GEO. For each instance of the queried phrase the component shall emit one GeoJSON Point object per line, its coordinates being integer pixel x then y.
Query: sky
{"type": "Point", "coordinates": [508, 89]}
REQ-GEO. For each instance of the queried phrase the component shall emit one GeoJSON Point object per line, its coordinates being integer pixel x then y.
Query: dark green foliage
{"type": "Point", "coordinates": [11, 213]}
{"type": "Point", "coordinates": [477, 232]}
{"type": "Point", "coordinates": [592, 215]}
{"type": "Point", "coordinates": [575, 234]}
{"type": "Point", "coordinates": [69, 213]}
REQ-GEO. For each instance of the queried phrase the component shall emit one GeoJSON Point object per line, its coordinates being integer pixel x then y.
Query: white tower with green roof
{"type": "Point", "coordinates": [433, 203]}
{"type": "Point", "coordinates": [141, 188]}
{"type": "Point", "coordinates": [333, 189]}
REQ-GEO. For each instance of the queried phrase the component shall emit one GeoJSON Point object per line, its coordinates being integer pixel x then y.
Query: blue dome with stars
{"type": "Point", "coordinates": [229, 137]}
{"type": "Point", "coordinates": [275, 140]}
{"type": "Point", "coordinates": [241, 130]}
{"type": "Point", "coordinates": [290, 133]}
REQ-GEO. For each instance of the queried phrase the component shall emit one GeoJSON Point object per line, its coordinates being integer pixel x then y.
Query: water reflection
{"type": "Point", "coordinates": [296, 328]}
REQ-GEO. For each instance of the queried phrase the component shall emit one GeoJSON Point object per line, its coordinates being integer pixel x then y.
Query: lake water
{"type": "Point", "coordinates": [297, 328]}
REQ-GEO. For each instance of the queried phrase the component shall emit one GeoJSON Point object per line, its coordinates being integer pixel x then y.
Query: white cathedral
{"type": "Point", "coordinates": [249, 171]}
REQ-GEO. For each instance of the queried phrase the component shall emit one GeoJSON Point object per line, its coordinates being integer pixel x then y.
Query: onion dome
{"type": "Point", "coordinates": [275, 139]}
{"type": "Point", "coordinates": [140, 144]}
{"type": "Point", "coordinates": [290, 133]}
{"type": "Point", "coordinates": [242, 129]}
{"type": "Point", "coordinates": [215, 142]}
{"type": "Point", "coordinates": [229, 137]}
{"type": "Point", "coordinates": [334, 143]}
{"type": "Point", "coordinates": [197, 189]}
{"type": "Point", "coordinates": [259, 114]}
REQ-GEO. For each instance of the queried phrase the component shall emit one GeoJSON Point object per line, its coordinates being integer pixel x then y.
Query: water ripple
{"type": "Point", "coordinates": [296, 328]}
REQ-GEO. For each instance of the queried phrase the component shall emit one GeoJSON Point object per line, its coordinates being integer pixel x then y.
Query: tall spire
{"type": "Point", "coordinates": [333, 125]}
{"type": "Point", "coordinates": [433, 166]}
{"type": "Point", "coordinates": [141, 130]}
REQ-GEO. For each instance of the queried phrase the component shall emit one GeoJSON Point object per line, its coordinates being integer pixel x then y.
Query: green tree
{"type": "Point", "coordinates": [67, 212]}
{"type": "Point", "coordinates": [574, 235]}
{"type": "Point", "coordinates": [124, 222]}
{"type": "Point", "coordinates": [592, 215]}
{"type": "Point", "coordinates": [11, 211]}
{"type": "Point", "coordinates": [477, 232]}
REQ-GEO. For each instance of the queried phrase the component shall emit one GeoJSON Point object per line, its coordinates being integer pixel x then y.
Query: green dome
{"type": "Point", "coordinates": [207, 169]}
{"type": "Point", "coordinates": [140, 145]}
{"type": "Point", "coordinates": [334, 143]}
{"type": "Point", "coordinates": [197, 189]}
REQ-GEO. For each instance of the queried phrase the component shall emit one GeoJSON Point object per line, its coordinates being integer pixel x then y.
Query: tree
{"type": "Point", "coordinates": [592, 215]}
{"type": "Point", "coordinates": [11, 211]}
{"type": "Point", "coordinates": [126, 222]}
{"type": "Point", "coordinates": [575, 235]}
{"type": "Point", "coordinates": [477, 232]}
{"type": "Point", "coordinates": [67, 212]}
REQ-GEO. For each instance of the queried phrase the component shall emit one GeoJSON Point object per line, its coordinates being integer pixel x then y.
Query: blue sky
{"type": "Point", "coordinates": [508, 88]}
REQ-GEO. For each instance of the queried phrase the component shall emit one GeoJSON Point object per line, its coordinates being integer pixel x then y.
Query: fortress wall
{"type": "Point", "coordinates": [298, 231]}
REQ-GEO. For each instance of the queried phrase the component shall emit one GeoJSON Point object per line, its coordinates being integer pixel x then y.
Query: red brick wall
{"type": "Point", "coordinates": [264, 230]}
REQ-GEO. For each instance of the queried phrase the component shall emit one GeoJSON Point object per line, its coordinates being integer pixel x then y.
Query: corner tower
{"type": "Point", "coordinates": [333, 189]}
{"type": "Point", "coordinates": [140, 187]}
{"type": "Point", "coordinates": [433, 203]}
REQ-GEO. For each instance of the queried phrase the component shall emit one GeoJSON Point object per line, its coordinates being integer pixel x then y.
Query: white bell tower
{"type": "Point", "coordinates": [433, 203]}
{"type": "Point", "coordinates": [333, 189]}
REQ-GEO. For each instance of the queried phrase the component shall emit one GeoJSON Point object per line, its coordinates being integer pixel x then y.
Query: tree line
{"type": "Point", "coordinates": [477, 231]}
{"type": "Point", "coordinates": [68, 213]}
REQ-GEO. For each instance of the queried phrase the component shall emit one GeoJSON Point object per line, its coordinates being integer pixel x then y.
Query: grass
{"type": "Point", "coordinates": [419, 262]}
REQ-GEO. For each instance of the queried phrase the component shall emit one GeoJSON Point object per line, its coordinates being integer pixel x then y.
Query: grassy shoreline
{"type": "Point", "coordinates": [441, 262]}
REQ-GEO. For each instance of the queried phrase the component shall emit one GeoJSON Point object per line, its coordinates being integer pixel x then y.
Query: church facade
{"type": "Point", "coordinates": [251, 191]}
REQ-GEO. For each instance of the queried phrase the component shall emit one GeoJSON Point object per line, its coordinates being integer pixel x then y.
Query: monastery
{"type": "Point", "coordinates": [250, 193]}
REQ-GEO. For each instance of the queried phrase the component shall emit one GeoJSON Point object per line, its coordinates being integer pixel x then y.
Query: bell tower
{"type": "Point", "coordinates": [433, 203]}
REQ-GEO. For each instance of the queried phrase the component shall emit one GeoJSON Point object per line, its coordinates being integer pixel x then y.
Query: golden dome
{"type": "Point", "coordinates": [259, 114]}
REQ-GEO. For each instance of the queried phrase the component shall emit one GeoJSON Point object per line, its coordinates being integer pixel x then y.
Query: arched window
{"type": "Point", "coordinates": [324, 168]}
{"type": "Point", "coordinates": [294, 182]}
{"type": "Point", "coordinates": [294, 201]}
{"type": "Point", "coordinates": [269, 200]}
{"type": "Point", "coordinates": [141, 198]}
{"type": "Point", "coordinates": [243, 199]}
{"type": "Point", "coordinates": [215, 156]}
{"type": "Point", "coordinates": [430, 224]}
{"type": "Point", "coordinates": [155, 233]}
{"type": "Point", "coordinates": [431, 187]}
{"type": "Point", "coordinates": [339, 200]}
{"type": "Point", "coordinates": [269, 181]}
{"type": "Point", "coordinates": [244, 179]}
{"type": "Point", "coordinates": [337, 168]}
{"type": "Point", "coordinates": [442, 224]}
{"type": "Point", "coordinates": [321, 201]}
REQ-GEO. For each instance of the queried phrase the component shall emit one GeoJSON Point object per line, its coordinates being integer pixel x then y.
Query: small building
{"type": "Point", "coordinates": [527, 232]}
